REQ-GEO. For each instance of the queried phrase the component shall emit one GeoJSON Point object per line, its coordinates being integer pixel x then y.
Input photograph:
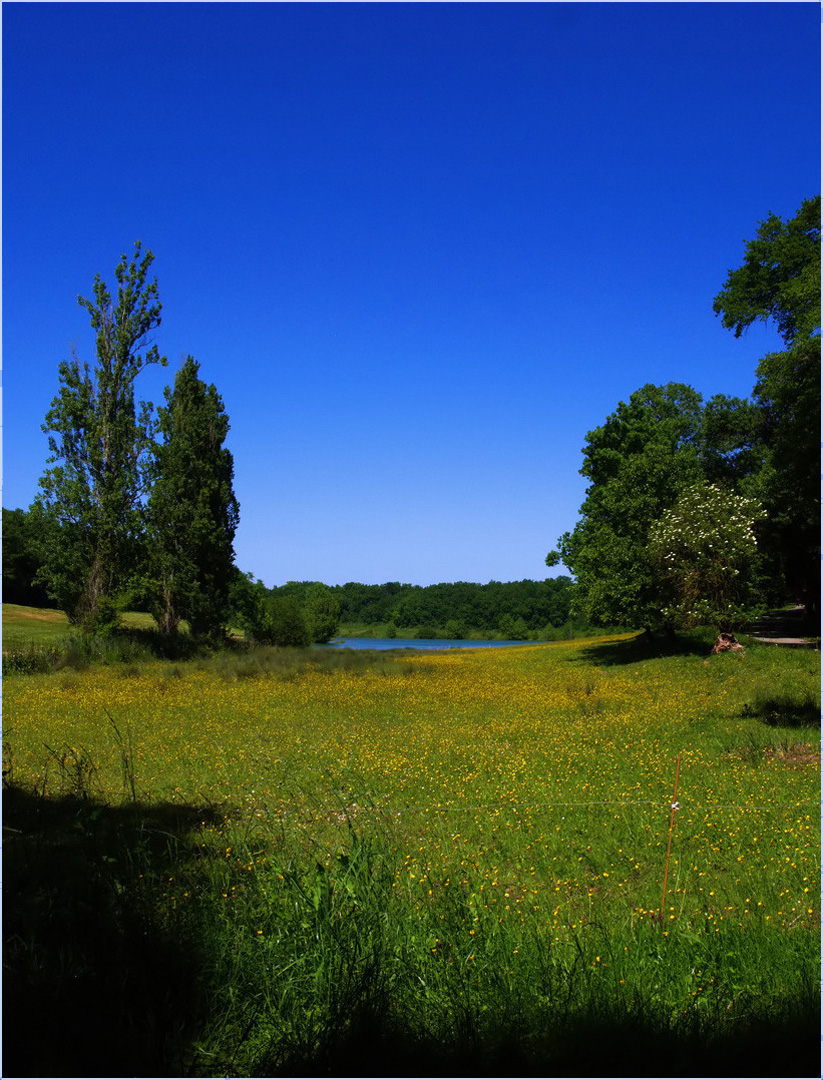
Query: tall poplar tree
{"type": "Point", "coordinates": [89, 510]}
{"type": "Point", "coordinates": [192, 511]}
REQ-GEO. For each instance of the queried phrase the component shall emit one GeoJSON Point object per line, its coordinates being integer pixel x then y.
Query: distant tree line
{"type": "Point", "coordinates": [302, 612]}
{"type": "Point", "coordinates": [22, 560]}
{"type": "Point", "coordinates": [514, 610]}
{"type": "Point", "coordinates": [707, 511]}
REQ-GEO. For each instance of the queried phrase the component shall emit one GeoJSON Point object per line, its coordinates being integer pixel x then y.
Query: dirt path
{"type": "Point", "coordinates": [785, 627]}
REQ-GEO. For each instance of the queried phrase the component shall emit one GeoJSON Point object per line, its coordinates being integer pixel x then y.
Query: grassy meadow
{"type": "Point", "coordinates": [24, 627]}
{"type": "Point", "coordinates": [330, 863]}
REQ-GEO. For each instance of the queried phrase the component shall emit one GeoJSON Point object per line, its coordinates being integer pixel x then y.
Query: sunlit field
{"type": "Point", "coordinates": [463, 854]}
{"type": "Point", "coordinates": [24, 627]}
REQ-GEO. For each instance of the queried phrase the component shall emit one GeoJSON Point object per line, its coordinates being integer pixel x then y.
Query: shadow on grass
{"type": "Point", "coordinates": [97, 984]}
{"type": "Point", "coordinates": [93, 984]}
{"type": "Point", "coordinates": [799, 709]}
{"type": "Point", "coordinates": [785, 623]}
{"type": "Point", "coordinates": [130, 644]}
{"type": "Point", "coordinates": [645, 646]}
{"type": "Point", "coordinates": [763, 1046]}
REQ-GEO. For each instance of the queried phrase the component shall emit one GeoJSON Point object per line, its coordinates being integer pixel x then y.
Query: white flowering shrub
{"type": "Point", "coordinates": [704, 551]}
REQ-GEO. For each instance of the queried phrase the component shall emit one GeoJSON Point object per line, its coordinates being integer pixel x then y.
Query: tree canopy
{"type": "Point", "coordinates": [192, 510]}
{"type": "Point", "coordinates": [704, 552]}
{"type": "Point", "coordinates": [22, 559]}
{"type": "Point", "coordinates": [122, 517]}
{"type": "Point", "coordinates": [100, 442]}
{"type": "Point", "coordinates": [637, 462]}
{"type": "Point", "coordinates": [458, 609]}
{"type": "Point", "coordinates": [322, 612]}
{"type": "Point", "coordinates": [779, 278]}
{"type": "Point", "coordinates": [665, 460]}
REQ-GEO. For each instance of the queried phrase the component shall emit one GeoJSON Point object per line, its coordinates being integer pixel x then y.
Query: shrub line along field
{"type": "Point", "coordinates": [466, 849]}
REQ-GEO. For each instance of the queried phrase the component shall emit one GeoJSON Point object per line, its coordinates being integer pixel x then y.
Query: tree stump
{"type": "Point", "coordinates": [727, 643]}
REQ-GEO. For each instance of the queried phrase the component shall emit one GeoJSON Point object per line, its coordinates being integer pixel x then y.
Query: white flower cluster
{"type": "Point", "coordinates": [703, 547]}
{"type": "Point", "coordinates": [707, 521]}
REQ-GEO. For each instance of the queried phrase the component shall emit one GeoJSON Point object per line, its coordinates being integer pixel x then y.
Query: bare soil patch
{"type": "Point", "coordinates": [40, 616]}
{"type": "Point", "coordinates": [795, 756]}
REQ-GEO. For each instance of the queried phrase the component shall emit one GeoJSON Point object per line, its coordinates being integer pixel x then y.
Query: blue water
{"type": "Point", "coordinates": [418, 643]}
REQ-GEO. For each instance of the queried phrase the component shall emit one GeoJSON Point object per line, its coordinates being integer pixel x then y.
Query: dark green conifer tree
{"type": "Point", "coordinates": [192, 511]}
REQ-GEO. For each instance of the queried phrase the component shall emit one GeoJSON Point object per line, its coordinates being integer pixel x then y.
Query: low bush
{"type": "Point", "coordinates": [31, 659]}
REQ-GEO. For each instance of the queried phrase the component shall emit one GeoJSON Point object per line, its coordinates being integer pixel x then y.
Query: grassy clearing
{"type": "Point", "coordinates": [330, 860]}
{"type": "Point", "coordinates": [24, 627]}
{"type": "Point", "coordinates": [43, 640]}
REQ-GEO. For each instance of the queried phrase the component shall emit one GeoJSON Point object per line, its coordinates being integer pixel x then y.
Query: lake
{"type": "Point", "coordinates": [418, 643]}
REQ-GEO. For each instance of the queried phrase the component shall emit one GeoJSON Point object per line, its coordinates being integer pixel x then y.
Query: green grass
{"type": "Point", "coordinates": [41, 640]}
{"type": "Point", "coordinates": [25, 626]}
{"type": "Point", "coordinates": [288, 863]}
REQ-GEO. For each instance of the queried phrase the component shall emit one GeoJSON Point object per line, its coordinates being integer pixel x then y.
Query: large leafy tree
{"type": "Point", "coordinates": [638, 463]}
{"type": "Point", "coordinates": [89, 509]}
{"type": "Point", "coordinates": [267, 617]}
{"type": "Point", "coordinates": [788, 392]}
{"type": "Point", "coordinates": [192, 511]}
{"type": "Point", "coordinates": [664, 441]}
{"type": "Point", "coordinates": [322, 613]}
{"type": "Point", "coordinates": [780, 279]}
{"type": "Point", "coordinates": [650, 450]}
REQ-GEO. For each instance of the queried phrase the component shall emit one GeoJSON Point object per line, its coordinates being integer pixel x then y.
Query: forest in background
{"type": "Point", "coordinates": [511, 611]}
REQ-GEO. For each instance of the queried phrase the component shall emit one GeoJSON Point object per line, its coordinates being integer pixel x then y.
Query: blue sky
{"type": "Point", "coordinates": [420, 249]}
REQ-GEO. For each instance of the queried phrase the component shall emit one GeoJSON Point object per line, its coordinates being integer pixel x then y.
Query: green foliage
{"type": "Point", "coordinates": [192, 511]}
{"type": "Point", "coordinates": [512, 628]}
{"type": "Point", "coordinates": [248, 599]}
{"type": "Point", "coordinates": [322, 613]}
{"type": "Point", "coordinates": [638, 462]}
{"type": "Point", "coordinates": [30, 659]}
{"type": "Point", "coordinates": [779, 278]}
{"type": "Point", "coordinates": [731, 440]}
{"type": "Point", "coordinates": [471, 608]}
{"type": "Point", "coordinates": [286, 623]}
{"type": "Point", "coordinates": [267, 617]}
{"type": "Point", "coordinates": [458, 610]}
{"type": "Point", "coordinates": [22, 559]}
{"type": "Point", "coordinates": [705, 552]}
{"type": "Point", "coordinates": [666, 440]}
{"type": "Point", "coordinates": [788, 392]}
{"type": "Point", "coordinates": [90, 505]}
